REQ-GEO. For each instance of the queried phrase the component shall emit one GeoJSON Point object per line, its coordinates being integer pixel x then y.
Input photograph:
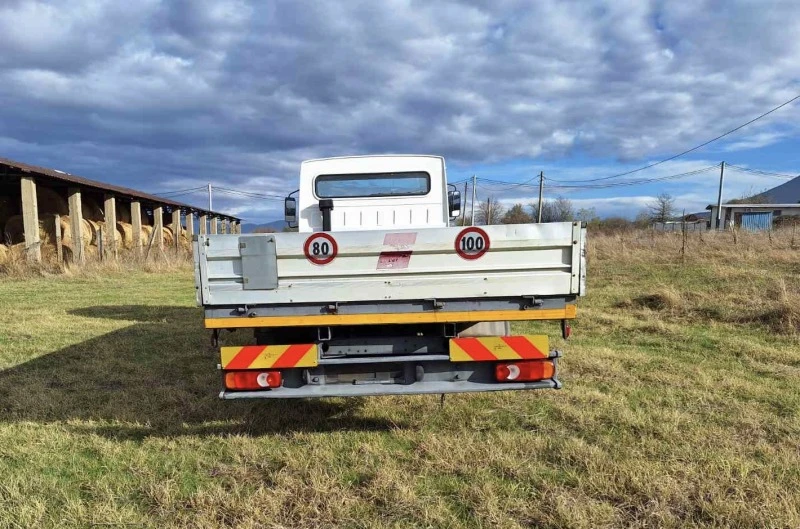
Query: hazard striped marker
{"type": "Point", "coordinates": [269, 356]}
{"type": "Point", "coordinates": [490, 348]}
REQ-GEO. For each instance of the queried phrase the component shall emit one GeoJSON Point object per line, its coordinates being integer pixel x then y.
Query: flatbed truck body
{"type": "Point", "coordinates": [379, 294]}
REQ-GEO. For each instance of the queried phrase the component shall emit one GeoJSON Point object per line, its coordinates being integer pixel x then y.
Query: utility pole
{"type": "Point", "coordinates": [464, 207]}
{"type": "Point", "coordinates": [541, 193]}
{"type": "Point", "coordinates": [210, 207]}
{"type": "Point", "coordinates": [472, 214]}
{"type": "Point", "coordinates": [719, 196]}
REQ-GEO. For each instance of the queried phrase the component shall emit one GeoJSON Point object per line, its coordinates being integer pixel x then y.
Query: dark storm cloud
{"type": "Point", "coordinates": [168, 94]}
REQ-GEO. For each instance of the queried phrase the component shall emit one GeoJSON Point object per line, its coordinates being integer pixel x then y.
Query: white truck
{"type": "Point", "coordinates": [380, 291]}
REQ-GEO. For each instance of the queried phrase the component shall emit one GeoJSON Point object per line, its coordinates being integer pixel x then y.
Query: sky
{"type": "Point", "coordinates": [165, 95]}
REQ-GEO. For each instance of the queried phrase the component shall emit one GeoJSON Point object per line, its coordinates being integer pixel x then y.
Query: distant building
{"type": "Point", "coordinates": [753, 217]}
{"type": "Point", "coordinates": [699, 216]}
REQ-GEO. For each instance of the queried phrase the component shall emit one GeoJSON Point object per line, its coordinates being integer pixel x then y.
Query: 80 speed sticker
{"type": "Point", "coordinates": [472, 243]}
{"type": "Point", "coordinates": [320, 248]}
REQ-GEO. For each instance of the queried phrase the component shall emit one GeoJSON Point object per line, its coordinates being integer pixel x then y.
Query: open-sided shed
{"type": "Point", "coordinates": [38, 202]}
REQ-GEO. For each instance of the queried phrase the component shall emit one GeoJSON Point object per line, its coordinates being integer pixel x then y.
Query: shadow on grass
{"type": "Point", "coordinates": [157, 377]}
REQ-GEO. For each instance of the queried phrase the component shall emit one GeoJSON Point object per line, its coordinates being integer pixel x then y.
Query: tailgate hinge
{"type": "Point", "coordinates": [530, 302]}
{"type": "Point", "coordinates": [437, 305]}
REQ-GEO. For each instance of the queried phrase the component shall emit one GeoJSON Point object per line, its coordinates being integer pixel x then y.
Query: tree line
{"type": "Point", "coordinates": [561, 209]}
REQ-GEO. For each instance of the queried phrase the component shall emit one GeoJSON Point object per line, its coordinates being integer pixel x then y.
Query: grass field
{"type": "Point", "coordinates": [680, 407]}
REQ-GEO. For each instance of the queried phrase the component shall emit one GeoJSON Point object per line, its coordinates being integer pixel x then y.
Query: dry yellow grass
{"type": "Point", "coordinates": [681, 408]}
{"type": "Point", "coordinates": [14, 263]}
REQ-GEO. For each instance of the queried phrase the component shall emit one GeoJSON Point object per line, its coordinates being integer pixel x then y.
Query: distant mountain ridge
{"type": "Point", "coordinates": [786, 193]}
{"type": "Point", "coordinates": [276, 225]}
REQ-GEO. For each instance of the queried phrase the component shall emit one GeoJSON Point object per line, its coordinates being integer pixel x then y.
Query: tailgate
{"type": "Point", "coordinates": [492, 261]}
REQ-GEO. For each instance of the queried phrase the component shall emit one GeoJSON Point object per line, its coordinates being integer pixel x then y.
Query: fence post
{"type": "Point", "coordinates": [76, 225]}
{"type": "Point", "coordinates": [150, 244]}
{"type": "Point", "coordinates": [100, 243]}
{"type": "Point", "coordinates": [59, 245]}
{"type": "Point", "coordinates": [110, 213]}
{"type": "Point", "coordinates": [683, 236]}
{"type": "Point", "coordinates": [30, 219]}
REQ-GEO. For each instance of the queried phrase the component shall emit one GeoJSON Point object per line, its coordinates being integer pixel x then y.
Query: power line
{"type": "Point", "coordinates": [687, 151]}
{"type": "Point", "coordinates": [249, 194]}
{"type": "Point", "coordinates": [625, 183]}
{"type": "Point", "coordinates": [180, 192]}
{"type": "Point", "coordinates": [760, 171]}
{"type": "Point", "coordinates": [510, 185]}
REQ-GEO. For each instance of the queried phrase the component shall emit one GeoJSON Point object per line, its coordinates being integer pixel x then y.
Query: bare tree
{"type": "Point", "coordinates": [588, 215]}
{"type": "Point", "coordinates": [662, 208]}
{"type": "Point", "coordinates": [517, 215]}
{"type": "Point", "coordinates": [558, 210]}
{"type": "Point", "coordinates": [563, 210]}
{"type": "Point", "coordinates": [490, 211]}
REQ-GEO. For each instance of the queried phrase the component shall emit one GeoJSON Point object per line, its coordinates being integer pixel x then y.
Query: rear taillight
{"type": "Point", "coordinates": [238, 380]}
{"type": "Point", "coordinates": [524, 371]}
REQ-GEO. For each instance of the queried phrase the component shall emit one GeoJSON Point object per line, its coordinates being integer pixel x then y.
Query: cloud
{"type": "Point", "coordinates": [755, 141]}
{"type": "Point", "coordinates": [161, 94]}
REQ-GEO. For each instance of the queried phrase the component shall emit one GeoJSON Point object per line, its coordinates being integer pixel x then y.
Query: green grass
{"type": "Point", "coordinates": [680, 407]}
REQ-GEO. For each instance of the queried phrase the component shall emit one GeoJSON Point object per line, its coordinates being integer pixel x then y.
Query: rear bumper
{"type": "Point", "coordinates": [470, 366]}
{"type": "Point", "coordinates": [372, 390]}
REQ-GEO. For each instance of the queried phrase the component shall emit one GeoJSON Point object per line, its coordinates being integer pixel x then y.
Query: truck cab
{"type": "Point", "coordinates": [373, 193]}
{"type": "Point", "coordinates": [380, 292]}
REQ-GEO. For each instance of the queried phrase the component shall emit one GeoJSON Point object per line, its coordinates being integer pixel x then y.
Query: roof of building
{"type": "Point", "coordinates": [80, 181]}
{"type": "Point", "coordinates": [699, 214]}
{"type": "Point", "coordinates": [765, 206]}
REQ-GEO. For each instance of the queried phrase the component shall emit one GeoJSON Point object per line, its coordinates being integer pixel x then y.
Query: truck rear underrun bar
{"type": "Point", "coordinates": [367, 390]}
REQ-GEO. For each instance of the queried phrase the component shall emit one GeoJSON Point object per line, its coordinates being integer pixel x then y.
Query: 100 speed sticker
{"type": "Point", "coordinates": [471, 243]}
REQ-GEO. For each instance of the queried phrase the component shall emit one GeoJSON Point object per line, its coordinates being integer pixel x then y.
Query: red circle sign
{"type": "Point", "coordinates": [320, 248]}
{"type": "Point", "coordinates": [472, 243]}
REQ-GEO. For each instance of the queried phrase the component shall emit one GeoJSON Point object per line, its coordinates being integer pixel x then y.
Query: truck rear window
{"type": "Point", "coordinates": [372, 185]}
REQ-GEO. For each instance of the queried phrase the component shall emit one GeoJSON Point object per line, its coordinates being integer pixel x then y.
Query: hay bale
{"type": "Point", "coordinates": [4, 253]}
{"type": "Point", "coordinates": [167, 235]}
{"type": "Point", "coordinates": [87, 233]}
{"type": "Point", "coordinates": [147, 232]}
{"type": "Point", "coordinates": [15, 231]}
{"type": "Point", "coordinates": [120, 237]}
{"type": "Point", "coordinates": [101, 228]}
{"type": "Point", "coordinates": [126, 229]}
{"type": "Point", "coordinates": [94, 227]}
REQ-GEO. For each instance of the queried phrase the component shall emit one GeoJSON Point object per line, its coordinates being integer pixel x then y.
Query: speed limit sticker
{"type": "Point", "coordinates": [472, 243]}
{"type": "Point", "coordinates": [320, 248]}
